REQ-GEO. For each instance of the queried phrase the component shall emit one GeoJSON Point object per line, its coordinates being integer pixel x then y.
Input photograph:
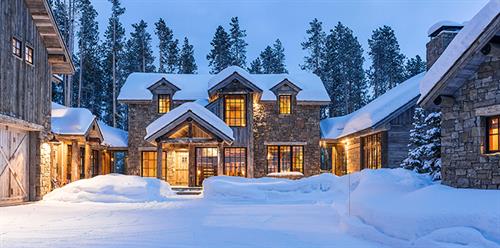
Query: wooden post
{"type": "Point", "coordinates": [159, 151]}
{"type": "Point", "coordinates": [220, 160]}
{"type": "Point", "coordinates": [64, 162]}
{"type": "Point", "coordinates": [87, 160]}
{"type": "Point", "coordinates": [75, 161]}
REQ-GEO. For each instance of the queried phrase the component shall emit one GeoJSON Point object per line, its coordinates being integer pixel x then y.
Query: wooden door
{"type": "Point", "coordinates": [178, 170]}
{"type": "Point", "coordinates": [13, 164]}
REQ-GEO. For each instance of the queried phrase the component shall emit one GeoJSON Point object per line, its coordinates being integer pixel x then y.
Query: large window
{"type": "Point", "coordinates": [235, 161]}
{"type": "Point", "coordinates": [29, 55]}
{"type": "Point", "coordinates": [493, 124]}
{"type": "Point", "coordinates": [206, 163]}
{"type": "Point", "coordinates": [285, 159]}
{"type": "Point", "coordinates": [372, 151]}
{"type": "Point", "coordinates": [285, 103]}
{"type": "Point", "coordinates": [149, 164]}
{"type": "Point", "coordinates": [163, 103]}
{"type": "Point", "coordinates": [235, 110]}
{"type": "Point", "coordinates": [94, 160]}
{"type": "Point", "coordinates": [16, 47]}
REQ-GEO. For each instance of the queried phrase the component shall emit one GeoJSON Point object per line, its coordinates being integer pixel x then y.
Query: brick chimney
{"type": "Point", "coordinates": [441, 34]}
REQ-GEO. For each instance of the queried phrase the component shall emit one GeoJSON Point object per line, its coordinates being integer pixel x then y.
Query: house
{"type": "Point", "coordinates": [376, 135]}
{"type": "Point", "coordinates": [185, 128]}
{"type": "Point", "coordinates": [464, 84]}
{"type": "Point", "coordinates": [31, 52]}
{"type": "Point", "coordinates": [82, 146]}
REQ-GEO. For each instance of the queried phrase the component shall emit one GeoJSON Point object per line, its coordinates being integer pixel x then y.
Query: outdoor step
{"type": "Point", "coordinates": [187, 190]}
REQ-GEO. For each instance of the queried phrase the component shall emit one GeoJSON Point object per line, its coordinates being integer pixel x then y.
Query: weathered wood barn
{"type": "Point", "coordinates": [31, 51]}
{"type": "Point", "coordinates": [375, 136]}
{"type": "Point", "coordinates": [184, 128]}
{"type": "Point", "coordinates": [463, 82]}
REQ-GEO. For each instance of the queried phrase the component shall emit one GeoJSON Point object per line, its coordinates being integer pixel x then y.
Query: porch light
{"type": "Point", "coordinates": [199, 172]}
{"type": "Point", "coordinates": [54, 141]}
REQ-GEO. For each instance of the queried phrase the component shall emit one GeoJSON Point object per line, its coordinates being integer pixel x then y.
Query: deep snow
{"type": "Point", "coordinates": [372, 208]}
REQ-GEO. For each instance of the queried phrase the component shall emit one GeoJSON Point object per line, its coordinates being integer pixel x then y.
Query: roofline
{"type": "Point", "coordinates": [393, 114]}
{"type": "Point", "coordinates": [234, 72]}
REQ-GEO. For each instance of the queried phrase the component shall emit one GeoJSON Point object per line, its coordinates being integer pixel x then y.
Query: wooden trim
{"type": "Point", "coordinates": [19, 124]}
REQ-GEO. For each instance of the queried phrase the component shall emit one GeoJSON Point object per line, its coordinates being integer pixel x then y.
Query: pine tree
{"type": "Point", "coordinates": [414, 66]}
{"type": "Point", "coordinates": [279, 57]}
{"type": "Point", "coordinates": [237, 43]}
{"type": "Point", "coordinates": [89, 70]}
{"type": "Point", "coordinates": [424, 154]}
{"type": "Point", "coordinates": [220, 56]}
{"type": "Point", "coordinates": [268, 60]}
{"type": "Point", "coordinates": [314, 45]}
{"type": "Point", "coordinates": [138, 52]}
{"type": "Point", "coordinates": [387, 69]}
{"type": "Point", "coordinates": [343, 73]}
{"type": "Point", "coordinates": [255, 66]}
{"type": "Point", "coordinates": [187, 63]}
{"type": "Point", "coordinates": [169, 50]}
{"type": "Point", "coordinates": [60, 11]}
{"type": "Point", "coordinates": [112, 64]}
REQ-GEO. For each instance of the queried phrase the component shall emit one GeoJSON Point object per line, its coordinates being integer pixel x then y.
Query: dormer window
{"type": "Point", "coordinates": [163, 103]}
{"type": "Point", "coordinates": [235, 110]}
{"type": "Point", "coordinates": [493, 126]}
{"type": "Point", "coordinates": [285, 104]}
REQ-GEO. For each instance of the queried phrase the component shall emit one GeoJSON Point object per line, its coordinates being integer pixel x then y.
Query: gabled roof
{"type": "Point", "coordinates": [198, 113]}
{"type": "Point", "coordinates": [113, 137]}
{"type": "Point", "coordinates": [71, 121]}
{"type": "Point", "coordinates": [374, 113]}
{"type": "Point", "coordinates": [195, 86]}
{"type": "Point", "coordinates": [473, 36]}
{"type": "Point", "coordinates": [58, 54]}
{"type": "Point", "coordinates": [224, 77]}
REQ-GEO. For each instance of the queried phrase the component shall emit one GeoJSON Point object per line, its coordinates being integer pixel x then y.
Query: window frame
{"type": "Point", "coordinates": [243, 120]}
{"type": "Point", "coordinates": [155, 157]}
{"type": "Point", "coordinates": [372, 151]}
{"type": "Point", "coordinates": [15, 48]}
{"type": "Point", "coordinates": [168, 104]}
{"type": "Point", "coordinates": [198, 181]}
{"type": "Point", "coordinates": [282, 108]}
{"type": "Point", "coordinates": [488, 134]}
{"type": "Point", "coordinates": [29, 60]}
{"type": "Point", "coordinates": [290, 158]}
{"type": "Point", "coordinates": [245, 160]}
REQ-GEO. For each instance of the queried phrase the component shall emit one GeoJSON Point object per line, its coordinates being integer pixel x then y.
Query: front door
{"type": "Point", "coordinates": [178, 172]}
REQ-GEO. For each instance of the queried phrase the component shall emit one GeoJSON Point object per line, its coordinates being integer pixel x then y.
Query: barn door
{"type": "Point", "coordinates": [13, 164]}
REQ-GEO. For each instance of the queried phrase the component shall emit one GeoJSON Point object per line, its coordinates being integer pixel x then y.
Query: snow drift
{"type": "Point", "coordinates": [112, 188]}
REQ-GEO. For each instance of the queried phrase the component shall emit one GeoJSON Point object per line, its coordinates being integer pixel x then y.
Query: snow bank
{"type": "Point", "coordinates": [112, 188]}
{"type": "Point", "coordinates": [420, 209]}
{"type": "Point", "coordinates": [321, 188]}
{"type": "Point", "coordinates": [113, 137]}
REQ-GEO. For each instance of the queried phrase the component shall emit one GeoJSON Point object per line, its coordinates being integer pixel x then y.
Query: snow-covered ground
{"type": "Point", "coordinates": [372, 208]}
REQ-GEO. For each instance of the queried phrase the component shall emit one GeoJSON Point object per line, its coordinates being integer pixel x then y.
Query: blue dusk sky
{"type": "Point", "coordinates": [265, 21]}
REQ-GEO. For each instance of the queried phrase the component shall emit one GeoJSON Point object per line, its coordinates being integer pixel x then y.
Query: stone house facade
{"type": "Point", "coordinates": [231, 123]}
{"type": "Point", "coordinates": [464, 84]}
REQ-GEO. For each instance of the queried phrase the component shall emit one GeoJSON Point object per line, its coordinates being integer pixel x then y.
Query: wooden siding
{"type": "Point", "coordinates": [25, 90]}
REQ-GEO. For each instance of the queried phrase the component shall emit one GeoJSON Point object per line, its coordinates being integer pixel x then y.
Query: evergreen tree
{"type": "Point", "coordinates": [187, 63]}
{"type": "Point", "coordinates": [343, 73]}
{"type": "Point", "coordinates": [424, 154]}
{"type": "Point", "coordinates": [314, 45]}
{"type": "Point", "coordinates": [220, 55]}
{"type": "Point", "coordinates": [237, 43]}
{"type": "Point", "coordinates": [268, 60]}
{"type": "Point", "coordinates": [89, 70]}
{"type": "Point", "coordinates": [279, 57]}
{"type": "Point", "coordinates": [112, 64]}
{"type": "Point", "coordinates": [387, 69]}
{"type": "Point", "coordinates": [169, 50]}
{"type": "Point", "coordinates": [255, 67]}
{"type": "Point", "coordinates": [138, 52]}
{"type": "Point", "coordinates": [60, 11]}
{"type": "Point", "coordinates": [414, 66]}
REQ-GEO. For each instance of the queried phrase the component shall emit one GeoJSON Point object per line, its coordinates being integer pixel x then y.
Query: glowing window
{"type": "Point", "coordinates": [235, 111]}
{"type": "Point", "coordinates": [285, 103]}
{"type": "Point", "coordinates": [235, 161]}
{"type": "Point", "coordinates": [149, 164]}
{"type": "Point", "coordinates": [29, 55]}
{"type": "Point", "coordinates": [285, 159]}
{"type": "Point", "coordinates": [163, 103]}
{"type": "Point", "coordinates": [16, 47]}
{"type": "Point", "coordinates": [493, 134]}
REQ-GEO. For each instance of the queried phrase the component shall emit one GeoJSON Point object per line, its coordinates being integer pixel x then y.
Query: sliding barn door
{"type": "Point", "coordinates": [13, 165]}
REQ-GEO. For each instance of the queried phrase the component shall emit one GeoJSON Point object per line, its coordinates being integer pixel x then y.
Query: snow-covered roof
{"type": "Point", "coordinates": [199, 111]}
{"type": "Point", "coordinates": [70, 121]}
{"type": "Point", "coordinates": [372, 113]}
{"type": "Point", "coordinates": [458, 46]}
{"type": "Point", "coordinates": [113, 137]}
{"type": "Point", "coordinates": [196, 86]}
{"type": "Point", "coordinates": [440, 24]}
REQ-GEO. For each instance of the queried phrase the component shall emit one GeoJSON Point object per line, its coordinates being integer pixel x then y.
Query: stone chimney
{"type": "Point", "coordinates": [441, 34]}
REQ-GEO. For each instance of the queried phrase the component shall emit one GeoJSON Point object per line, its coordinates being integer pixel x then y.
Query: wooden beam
{"type": "Point", "coordinates": [159, 157]}
{"type": "Point", "coordinates": [75, 161]}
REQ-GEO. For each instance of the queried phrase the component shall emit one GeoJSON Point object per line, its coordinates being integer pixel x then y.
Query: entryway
{"type": "Point", "coordinates": [178, 168]}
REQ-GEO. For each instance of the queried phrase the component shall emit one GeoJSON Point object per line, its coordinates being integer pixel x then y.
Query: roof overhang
{"type": "Point", "coordinates": [229, 79]}
{"type": "Point", "coordinates": [58, 54]}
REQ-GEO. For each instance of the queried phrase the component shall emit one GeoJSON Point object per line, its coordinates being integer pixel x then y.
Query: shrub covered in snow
{"type": "Point", "coordinates": [112, 188]}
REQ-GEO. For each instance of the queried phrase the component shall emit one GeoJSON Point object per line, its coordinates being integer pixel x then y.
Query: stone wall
{"type": "Point", "coordinates": [302, 125]}
{"type": "Point", "coordinates": [464, 161]}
